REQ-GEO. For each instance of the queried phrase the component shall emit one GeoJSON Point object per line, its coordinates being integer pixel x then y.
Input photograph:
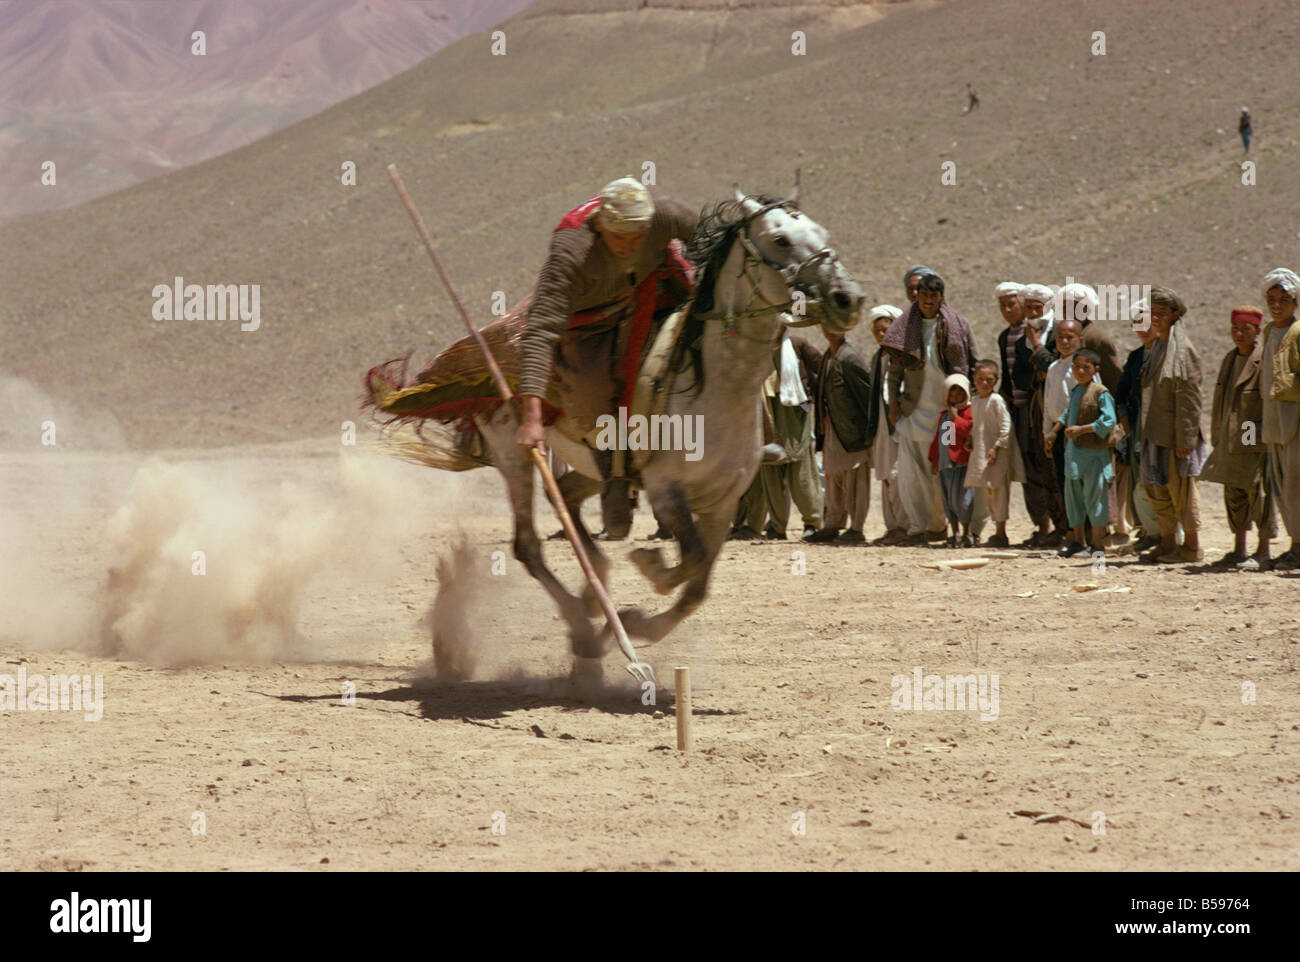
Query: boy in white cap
{"type": "Point", "coordinates": [949, 455]}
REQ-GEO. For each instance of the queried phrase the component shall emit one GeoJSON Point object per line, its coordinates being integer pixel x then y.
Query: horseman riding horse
{"type": "Point", "coordinates": [755, 257]}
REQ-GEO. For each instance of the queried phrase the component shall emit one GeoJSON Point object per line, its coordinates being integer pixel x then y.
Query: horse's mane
{"type": "Point", "coordinates": [706, 250]}
{"type": "Point", "coordinates": [711, 241]}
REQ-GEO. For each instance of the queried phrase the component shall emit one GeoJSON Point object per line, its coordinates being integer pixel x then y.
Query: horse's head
{"type": "Point", "coordinates": [795, 245]}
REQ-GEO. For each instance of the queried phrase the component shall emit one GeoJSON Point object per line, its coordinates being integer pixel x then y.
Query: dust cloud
{"type": "Point", "coordinates": [213, 563]}
{"type": "Point", "coordinates": [187, 557]}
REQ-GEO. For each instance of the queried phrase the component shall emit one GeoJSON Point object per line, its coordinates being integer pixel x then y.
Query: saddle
{"type": "Point", "coordinates": [654, 382]}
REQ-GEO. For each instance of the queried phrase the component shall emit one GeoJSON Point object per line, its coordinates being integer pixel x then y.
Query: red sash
{"type": "Point", "coordinates": [579, 215]}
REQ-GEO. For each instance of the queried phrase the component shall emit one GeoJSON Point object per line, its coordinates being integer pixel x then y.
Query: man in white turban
{"type": "Point", "coordinates": [1080, 302]}
{"type": "Point", "coordinates": [1285, 279]}
{"type": "Point", "coordinates": [1012, 309]}
{"type": "Point", "coordinates": [1279, 383]}
{"type": "Point", "coordinates": [1013, 312]}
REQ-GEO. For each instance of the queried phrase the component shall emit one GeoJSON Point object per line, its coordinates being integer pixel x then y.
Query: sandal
{"type": "Point", "coordinates": [1229, 560]}
{"type": "Point", "coordinates": [1287, 561]}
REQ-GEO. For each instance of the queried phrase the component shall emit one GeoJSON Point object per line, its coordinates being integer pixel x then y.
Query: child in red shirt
{"type": "Point", "coordinates": [949, 454]}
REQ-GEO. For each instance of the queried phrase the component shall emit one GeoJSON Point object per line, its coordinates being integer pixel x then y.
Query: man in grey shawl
{"type": "Point", "coordinates": [925, 345]}
{"type": "Point", "coordinates": [1173, 446]}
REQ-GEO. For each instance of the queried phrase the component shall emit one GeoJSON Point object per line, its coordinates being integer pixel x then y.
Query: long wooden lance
{"type": "Point", "coordinates": [640, 670]}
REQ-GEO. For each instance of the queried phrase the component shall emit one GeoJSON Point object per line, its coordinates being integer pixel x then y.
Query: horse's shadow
{"type": "Point", "coordinates": [483, 701]}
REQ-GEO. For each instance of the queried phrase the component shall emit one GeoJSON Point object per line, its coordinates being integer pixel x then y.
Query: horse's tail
{"type": "Point", "coordinates": [447, 447]}
{"type": "Point", "coordinates": [429, 420]}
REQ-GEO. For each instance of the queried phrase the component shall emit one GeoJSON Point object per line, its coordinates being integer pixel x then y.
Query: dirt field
{"type": "Point", "coordinates": [1128, 704]}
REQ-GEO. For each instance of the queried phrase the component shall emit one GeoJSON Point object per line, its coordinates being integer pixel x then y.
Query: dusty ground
{"type": "Point", "coordinates": [1129, 704]}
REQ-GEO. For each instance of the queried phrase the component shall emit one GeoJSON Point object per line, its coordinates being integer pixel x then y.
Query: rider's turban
{"type": "Point", "coordinates": [625, 206]}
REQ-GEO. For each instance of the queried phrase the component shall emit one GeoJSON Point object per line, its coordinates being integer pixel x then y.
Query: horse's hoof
{"type": "Point", "coordinates": [585, 641]}
{"type": "Point", "coordinates": [651, 563]}
{"type": "Point", "coordinates": [647, 559]}
{"type": "Point", "coordinates": [581, 634]}
{"type": "Point", "coordinates": [587, 676]}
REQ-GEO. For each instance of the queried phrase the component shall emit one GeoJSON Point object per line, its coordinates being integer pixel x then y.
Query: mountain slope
{"type": "Point", "coordinates": [113, 93]}
{"type": "Point", "coordinates": [1120, 169]}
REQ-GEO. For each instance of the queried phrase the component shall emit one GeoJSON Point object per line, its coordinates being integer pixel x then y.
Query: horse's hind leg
{"type": "Point", "coordinates": [672, 508]}
{"type": "Point", "coordinates": [576, 488]}
{"type": "Point", "coordinates": [711, 530]}
{"type": "Point", "coordinates": [518, 473]}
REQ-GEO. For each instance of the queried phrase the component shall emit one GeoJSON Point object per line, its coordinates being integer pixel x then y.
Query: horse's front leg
{"type": "Point", "coordinates": [711, 531]}
{"type": "Point", "coordinates": [674, 511]}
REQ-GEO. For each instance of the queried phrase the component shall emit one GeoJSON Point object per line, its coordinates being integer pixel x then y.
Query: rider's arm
{"type": "Point", "coordinates": [551, 309]}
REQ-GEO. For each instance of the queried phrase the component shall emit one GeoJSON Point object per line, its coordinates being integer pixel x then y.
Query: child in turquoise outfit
{"type": "Point", "coordinates": [1089, 421]}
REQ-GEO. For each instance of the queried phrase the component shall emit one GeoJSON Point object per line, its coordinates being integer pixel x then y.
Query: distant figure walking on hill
{"type": "Point", "coordinates": [974, 98]}
{"type": "Point", "coordinates": [1243, 128]}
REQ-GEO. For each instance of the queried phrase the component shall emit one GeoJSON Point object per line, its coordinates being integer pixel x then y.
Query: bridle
{"type": "Point", "coordinates": [751, 258]}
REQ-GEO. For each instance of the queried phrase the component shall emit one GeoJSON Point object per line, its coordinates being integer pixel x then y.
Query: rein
{"type": "Point", "coordinates": [752, 258]}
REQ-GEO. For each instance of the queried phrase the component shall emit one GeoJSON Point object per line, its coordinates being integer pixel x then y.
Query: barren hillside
{"type": "Point", "coordinates": [1121, 168]}
{"type": "Point", "coordinates": [115, 93]}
